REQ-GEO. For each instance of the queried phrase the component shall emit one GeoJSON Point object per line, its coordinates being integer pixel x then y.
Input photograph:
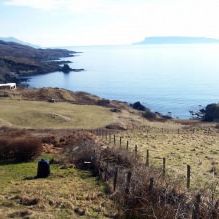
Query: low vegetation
{"type": "Point", "coordinates": [19, 148]}
{"type": "Point", "coordinates": [67, 193]}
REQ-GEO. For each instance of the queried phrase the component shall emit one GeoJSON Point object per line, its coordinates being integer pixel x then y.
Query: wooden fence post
{"type": "Point", "coordinates": [147, 159]}
{"type": "Point", "coordinates": [188, 176]}
{"type": "Point", "coordinates": [127, 145]}
{"type": "Point", "coordinates": [128, 180]}
{"type": "Point", "coordinates": [106, 170]}
{"type": "Point", "coordinates": [196, 208]}
{"type": "Point", "coordinates": [178, 131]}
{"type": "Point", "coordinates": [164, 167]}
{"type": "Point", "coordinates": [151, 185]}
{"type": "Point", "coordinates": [115, 179]}
{"type": "Point", "coordinates": [120, 142]}
{"type": "Point", "coordinates": [106, 134]}
{"type": "Point", "coordinates": [136, 150]}
{"type": "Point", "coordinates": [114, 139]}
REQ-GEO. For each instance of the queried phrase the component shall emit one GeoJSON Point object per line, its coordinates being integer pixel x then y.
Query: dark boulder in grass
{"type": "Point", "coordinates": [43, 169]}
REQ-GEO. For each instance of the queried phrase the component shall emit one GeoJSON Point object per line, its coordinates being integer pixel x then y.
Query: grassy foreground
{"type": "Point", "coordinates": [59, 196]}
{"type": "Point", "coordinates": [37, 114]}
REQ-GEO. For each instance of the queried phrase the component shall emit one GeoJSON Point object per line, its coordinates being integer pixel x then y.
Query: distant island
{"type": "Point", "coordinates": [177, 40]}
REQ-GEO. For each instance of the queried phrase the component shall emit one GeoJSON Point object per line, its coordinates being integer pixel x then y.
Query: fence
{"type": "Point", "coordinates": [114, 139]}
{"type": "Point", "coordinates": [131, 185]}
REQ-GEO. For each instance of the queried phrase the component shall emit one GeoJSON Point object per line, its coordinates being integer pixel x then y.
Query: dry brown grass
{"type": "Point", "coordinates": [199, 150]}
{"type": "Point", "coordinates": [19, 147]}
{"type": "Point", "coordinates": [164, 198]}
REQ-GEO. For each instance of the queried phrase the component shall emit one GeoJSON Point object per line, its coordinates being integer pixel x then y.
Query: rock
{"type": "Point", "coordinates": [115, 110]}
{"type": "Point", "coordinates": [79, 211]}
{"type": "Point", "coordinates": [43, 169]}
{"type": "Point", "coordinates": [111, 214]}
{"type": "Point", "coordinates": [22, 214]}
{"type": "Point", "coordinates": [211, 113]}
{"type": "Point", "coordinates": [117, 126]}
{"type": "Point", "coordinates": [149, 115]}
{"type": "Point", "coordinates": [103, 102]}
{"type": "Point", "coordinates": [138, 106]}
{"type": "Point", "coordinates": [27, 201]}
{"type": "Point", "coordinates": [66, 68]}
{"type": "Point", "coordinates": [51, 100]}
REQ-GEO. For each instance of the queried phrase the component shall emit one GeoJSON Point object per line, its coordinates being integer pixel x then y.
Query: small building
{"type": "Point", "coordinates": [11, 86]}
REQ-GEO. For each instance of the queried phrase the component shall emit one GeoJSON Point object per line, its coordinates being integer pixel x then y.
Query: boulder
{"type": "Point", "coordinates": [43, 170]}
{"type": "Point", "coordinates": [211, 113]}
{"type": "Point", "coordinates": [117, 126]}
{"type": "Point", "coordinates": [66, 68]}
{"type": "Point", "coordinates": [138, 106]}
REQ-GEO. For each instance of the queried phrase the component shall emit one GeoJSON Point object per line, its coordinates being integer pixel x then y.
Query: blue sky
{"type": "Point", "coordinates": [101, 22]}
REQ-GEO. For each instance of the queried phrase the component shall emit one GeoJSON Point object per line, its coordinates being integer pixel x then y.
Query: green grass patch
{"type": "Point", "coordinates": [58, 195]}
{"type": "Point", "coordinates": [37, 114]}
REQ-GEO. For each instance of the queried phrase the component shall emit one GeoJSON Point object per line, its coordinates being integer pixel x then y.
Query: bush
{"type": "Point", "coordinates": [19, 149]}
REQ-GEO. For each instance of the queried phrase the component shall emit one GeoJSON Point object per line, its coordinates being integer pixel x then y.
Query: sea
{"type": "Point", "coordinates": [170, 79]}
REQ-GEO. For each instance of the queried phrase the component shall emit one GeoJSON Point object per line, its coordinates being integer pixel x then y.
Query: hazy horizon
{"type": "Point", "coordinates": [60, 23]}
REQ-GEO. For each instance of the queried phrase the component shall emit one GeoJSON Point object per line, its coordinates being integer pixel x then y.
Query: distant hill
{"type": "Point", "coordinates": [15, 40]}
{"type": "Point", "coordinates": [17, 60]}
{"type": "Point", "coordinates": [177, 40]}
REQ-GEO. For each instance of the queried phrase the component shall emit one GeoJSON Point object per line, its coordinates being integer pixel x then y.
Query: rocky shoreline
{"type": "Point", "coordinates": [17, 62]}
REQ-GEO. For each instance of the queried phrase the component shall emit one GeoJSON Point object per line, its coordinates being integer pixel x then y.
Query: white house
{"type": "Point", "coordinates": [12, 86]}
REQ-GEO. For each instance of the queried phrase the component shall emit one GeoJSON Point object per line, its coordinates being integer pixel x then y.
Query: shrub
{"type": "Point", "coordinates": [19, 149]}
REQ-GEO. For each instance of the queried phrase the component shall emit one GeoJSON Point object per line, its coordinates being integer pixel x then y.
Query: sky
{"type": "Point", "coordinates": [102, 22]}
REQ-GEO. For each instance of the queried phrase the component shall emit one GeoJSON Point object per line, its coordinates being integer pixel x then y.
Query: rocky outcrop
{"type": "Point", "coordinates": [211, 113]}
{"type": "Point", "coordinates": [18, 60]}
{"type": "Point", "coordinates": [138, 106]}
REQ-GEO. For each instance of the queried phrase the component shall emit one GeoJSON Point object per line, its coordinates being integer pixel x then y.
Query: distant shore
{"type": "Point", "coordinates": [17, 62]}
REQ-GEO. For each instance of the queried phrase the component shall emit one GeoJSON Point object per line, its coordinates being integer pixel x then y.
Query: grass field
{"type": "Point", "coordinates": [199, 150]}
{"type": "Point", "coordinates": [36, 114]}
{"type": "Point", "coordinates": [55, 197]}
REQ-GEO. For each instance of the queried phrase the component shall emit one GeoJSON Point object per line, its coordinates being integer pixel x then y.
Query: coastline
{"type": "Point", "coordinates": [19, 61]}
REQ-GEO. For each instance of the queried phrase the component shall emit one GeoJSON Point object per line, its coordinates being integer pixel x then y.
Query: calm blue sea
{"type": "Point", "coordinates": [166, 78]}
